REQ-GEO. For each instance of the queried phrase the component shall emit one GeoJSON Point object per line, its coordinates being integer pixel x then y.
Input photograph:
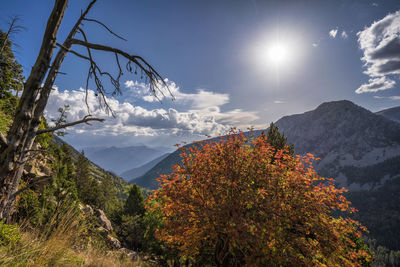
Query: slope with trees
{"type": "Point", "coordinates": [16, 146]}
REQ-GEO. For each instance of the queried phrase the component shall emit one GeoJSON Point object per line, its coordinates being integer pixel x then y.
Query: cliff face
{"type": "Point", "coordinates": [343, 134]}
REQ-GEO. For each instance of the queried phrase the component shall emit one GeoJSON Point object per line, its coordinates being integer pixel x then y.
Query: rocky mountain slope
{"type": "Point", "coordinates": [341, 133]}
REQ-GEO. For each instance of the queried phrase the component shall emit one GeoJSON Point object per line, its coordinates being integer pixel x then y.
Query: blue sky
{"type": "Point", "coordinates": [216, 57]}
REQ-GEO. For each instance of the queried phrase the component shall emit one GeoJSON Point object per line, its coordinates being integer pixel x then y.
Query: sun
{"type": "Point", "coordinates": [277, 53]}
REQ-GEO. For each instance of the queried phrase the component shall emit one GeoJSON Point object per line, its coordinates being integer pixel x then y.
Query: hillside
{"type": "Point", "coordinates": [96, 171]}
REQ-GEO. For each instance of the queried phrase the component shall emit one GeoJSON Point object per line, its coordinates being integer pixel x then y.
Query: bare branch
{"type": "Point", "coordinates": [94, 70]}
{"type": "Point", "coordinates": [3, 140]}
{"type": "Point", "coordinates": [108, 29]}
{"type": "Point", "coordinates": [154, 77]}
{"type": "Point", "coordinates": [86, 120]}
{"type": "Point", "coordinates": [13, 27]}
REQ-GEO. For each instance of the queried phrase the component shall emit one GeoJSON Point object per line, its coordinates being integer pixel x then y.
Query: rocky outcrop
{"type": "Point", "coordinates": [103, 220]}
{"type": "Point", "coordinates": [86, 209]}
{"type": "Point", "coordinates": [113, 242]}
{"type": "Point", "coordinates": [130, 253]}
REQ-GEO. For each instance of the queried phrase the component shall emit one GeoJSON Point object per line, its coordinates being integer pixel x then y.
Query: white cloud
{"type": "Point", "coordinates": [201, 99]}
{"type": "Point", "coordinates": [198, 115]}
{"type": "Point", "coordinates": [395, 97]}
{"type": "Point", "coordinates": [344, 35]}
{"type": "Point", "coordinates": [236, 117]}
{"type": "Point", "coordinates": [375, 85]}
{"type": "Point", "coordinates": [333, 32]}
{"type": "Point", "coordinates": [129, 118]}
{"type": "Point", "coordinates": [279, 102]}
{"type": "Point", "coordinates": [314, 44]}
{"type": "Point", "coordinates": [380, 43]}
{"type": "Point", "coordinates": [374, 4]}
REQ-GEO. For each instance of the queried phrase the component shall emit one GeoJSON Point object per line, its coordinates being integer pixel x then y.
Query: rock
{"type": "Point", "coordinates": [103, 220]}
{"type": "Point", "coordinates": [113, 242]}
{"type": "Point", "coordinates": [47, 170]}
{"type": "Point", "coordinates": [130, 253]}
{"type": "Point", "coordinates": [89, 210]}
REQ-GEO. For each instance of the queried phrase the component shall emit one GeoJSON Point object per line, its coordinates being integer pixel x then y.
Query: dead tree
{"type": "Point", "coordinates": [16, 146]}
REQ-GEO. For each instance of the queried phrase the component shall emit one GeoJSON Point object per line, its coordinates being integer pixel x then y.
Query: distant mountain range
{"type": "Point", "coordinates": [391, 113]}
{"type": "Point", "coordinates": [357, 147]}
{"type": "Point", "coordinates": [122, 159]}
{"type": "Point", "coordinates": [139, 171]}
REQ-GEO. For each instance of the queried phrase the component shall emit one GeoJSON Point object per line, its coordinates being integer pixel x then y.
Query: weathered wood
{"type": "Point", "coordinates": [16, 147]}
{"type": "Point", "coordinates": [84, 120]}
{"type": "Point", "coordinates": [19, 139]}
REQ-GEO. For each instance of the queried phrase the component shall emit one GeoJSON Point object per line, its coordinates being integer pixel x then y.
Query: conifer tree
{"type": "Point", "coordinates": [278, 140]}
{"type": "Point", "coordinates": [82, 176]}
{"type": "Point", "coordinates": [134, 204]}
{"type": "Point", "coordinates": [11, 77]}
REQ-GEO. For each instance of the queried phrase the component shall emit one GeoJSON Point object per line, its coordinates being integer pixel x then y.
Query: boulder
{"type": "Point", "coordinates": [130, 253]}
{"type": "Point", "coordinates": [86, 210]}
{"type": "Point", "coordinates": [103, 220]}
{"type": "Point", "coordinates": [113, 242]}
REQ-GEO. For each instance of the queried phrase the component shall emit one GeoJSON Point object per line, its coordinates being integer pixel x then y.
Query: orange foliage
{"type": "Point", "coordinates": [229, 201]}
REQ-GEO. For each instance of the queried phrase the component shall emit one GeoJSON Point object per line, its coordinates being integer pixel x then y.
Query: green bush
{"type": "Point", "coordinates": [9, 234]}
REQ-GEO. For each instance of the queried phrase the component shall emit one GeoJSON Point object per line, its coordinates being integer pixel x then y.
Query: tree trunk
{"type": "Point", "coordinates": [22, 133]}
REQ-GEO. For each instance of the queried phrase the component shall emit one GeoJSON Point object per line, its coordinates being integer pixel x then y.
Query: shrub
{"type": "Point", "coordinates": [243, 202]}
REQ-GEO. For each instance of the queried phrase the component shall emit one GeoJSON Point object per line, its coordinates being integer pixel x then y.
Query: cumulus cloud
{"type": "Point", "coordinates": [333, 32]}
{"type": "Point", "coordinates": [380, 43]}
{"type": "Point", "coordinates": [344, 35]}
{"type": "Point", "coordinates": [375, 85]}
{"type": "Point", "coordinates": [199, 100]}
{"type": "Point", "coordinates": [130, 118]}
{"type": "Point", "coordinates": [198, 115]}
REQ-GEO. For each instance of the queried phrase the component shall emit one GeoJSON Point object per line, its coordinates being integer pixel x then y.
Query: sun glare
{"type": "Point", "coordinates": [277, 53]}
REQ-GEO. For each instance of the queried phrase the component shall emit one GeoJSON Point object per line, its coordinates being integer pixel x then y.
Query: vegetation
{"type": "Point", "coordinates": [233, 203]}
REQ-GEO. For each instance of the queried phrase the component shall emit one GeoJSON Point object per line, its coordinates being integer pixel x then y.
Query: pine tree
{"type": "Point", "coordinates": [278, 140]}
{"type": "Point", "coordinates": [11, 77]}
{"type": "Point", "coordinates": [134, 204]}
{"type": "Point", "coordinates": [82, 177]}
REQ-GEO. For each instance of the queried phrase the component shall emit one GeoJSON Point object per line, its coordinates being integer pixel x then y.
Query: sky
{"type": "Point", "coordinates": [228, 63]}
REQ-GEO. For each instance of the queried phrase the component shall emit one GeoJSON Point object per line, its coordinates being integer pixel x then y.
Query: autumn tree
{"type": "Point", "coordinates": [16, 146]}
{"type": "Point", "coordinates": [229, 203]}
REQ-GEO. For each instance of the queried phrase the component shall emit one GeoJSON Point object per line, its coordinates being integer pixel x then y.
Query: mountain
{"type": "Point", "coordinates": [357, 147]}
{"type": "Point", "coordinates": [344, 135]}
{"type": "Point", "coordinates": [339, 132]}
{"type": "Point", "coordinates": [391, 113]}
{"type": "Point", "coordinates": [139, 171]}
{"type": "Point", "coordinates": [121, 159]}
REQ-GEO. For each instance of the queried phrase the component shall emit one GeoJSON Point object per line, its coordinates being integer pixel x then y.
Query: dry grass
{"type": "Point", "coordinates": [59, 247]}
